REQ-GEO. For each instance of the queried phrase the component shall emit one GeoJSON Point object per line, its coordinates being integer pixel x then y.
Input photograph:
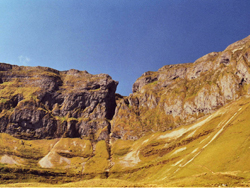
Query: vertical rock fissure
{"type": "Point", "coordinates": [109, 145]}
{"type": "Point", "coordinates": [109, 151]}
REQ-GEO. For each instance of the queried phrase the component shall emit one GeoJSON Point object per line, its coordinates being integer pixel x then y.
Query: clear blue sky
{"type": "Point", "coordinates": [123, 38]}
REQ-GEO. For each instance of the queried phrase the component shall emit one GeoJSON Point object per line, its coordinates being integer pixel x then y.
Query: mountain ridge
{"type": "Point", "coordinates": [68, 126]}
{"type": "Point", "coordinates": [184, 92]}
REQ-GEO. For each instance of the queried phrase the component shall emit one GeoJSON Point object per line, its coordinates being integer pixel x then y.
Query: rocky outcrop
{"type": "Point", "coordinates": [179, 94]}
{"type": "Point", "coordinates": [40, 102]}
{"type": "Point", "coordinates": [93, 127]}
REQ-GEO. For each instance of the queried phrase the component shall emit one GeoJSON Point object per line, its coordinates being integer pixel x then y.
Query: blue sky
{"type": "Point", "coordinates": [122, 38]}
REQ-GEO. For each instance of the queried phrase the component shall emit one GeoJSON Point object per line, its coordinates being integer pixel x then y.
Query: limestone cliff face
{"type": "Point", "coordinates": [40, 102]}
{"type": "Point", "coordinates": [179, 94]}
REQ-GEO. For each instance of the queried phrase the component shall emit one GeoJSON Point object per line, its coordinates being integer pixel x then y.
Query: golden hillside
{"type": "Point", "coordinates": [184, 125]}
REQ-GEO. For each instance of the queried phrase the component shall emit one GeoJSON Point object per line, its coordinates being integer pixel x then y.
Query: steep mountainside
{"type": "Point", "coordinates": [213, 151]}
{"type": "Point", "coordinates": [39, 102]}
{"type": "Point", "coordinates": [184, 125]}
{"type": "Point", "coordinates": [62, 119]}
{"type": "Point", "coordinates": [180, 94]}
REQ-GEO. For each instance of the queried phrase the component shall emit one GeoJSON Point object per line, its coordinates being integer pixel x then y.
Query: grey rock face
{"type": "Point", "coordinates": [147, 77]}
{"type": "Point", "coordinates": [179, 94]}
{"type": "Point", "coordinates": [39, 102]}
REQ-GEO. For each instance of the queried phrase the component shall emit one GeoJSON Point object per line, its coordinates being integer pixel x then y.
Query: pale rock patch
{"type": "Point", "coordinates": [191, 134]}
{"type": "Point", "coordinates": [178, 162]}
{"type": "Point", "coordinates": [66, 160]}
{"type": "Point", "coordinates": [180, 132]}
{"type": "Point", "coordinates": [8, 160]}
{"type": "Point", "coordinates": [83, 146]}
{"type": "Point", "coordinates": [179, 150]}
{"type": "Point", "coordinates": [194, 150]}
{"type": "Point", "coordinates": [45, 162]}
{"type": "Point", "coordinates": [145, 141]}
{"type": "Point", "coordinates": [131, 158]}
{"type": "Point", "coordinates": [237, 49]}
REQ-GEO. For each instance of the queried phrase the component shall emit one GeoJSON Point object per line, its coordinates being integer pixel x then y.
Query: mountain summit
{"type": "Point", "coordinates": [180, 94]}
{"type": "Point", "coordinates": [183, 125]}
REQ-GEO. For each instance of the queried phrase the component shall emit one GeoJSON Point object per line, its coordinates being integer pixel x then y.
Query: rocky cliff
{"type": "Point", "coordinates": [180, 94]}
{"type": "Point", "coordinates": [40, 102]}
{"type": "Point", "coordinates": [183, 125]}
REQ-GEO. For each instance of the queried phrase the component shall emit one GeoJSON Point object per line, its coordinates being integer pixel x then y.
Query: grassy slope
{"type": "Point", "coordinates": [211, 152]}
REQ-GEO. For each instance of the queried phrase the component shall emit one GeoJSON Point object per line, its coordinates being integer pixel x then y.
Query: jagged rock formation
{"type": "Point", "coordinates": [180, 94]}
{"type": "Point", "coordinates": [40, 102]}
{"type": "Point", "coordinates": [184, 125]}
